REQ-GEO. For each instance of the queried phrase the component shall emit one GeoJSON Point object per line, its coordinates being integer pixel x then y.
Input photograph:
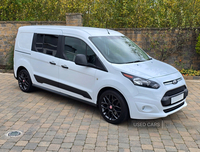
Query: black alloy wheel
{"type": "Point", "coordinates": [113, 107]}
{"type": "Point", "coordinates": [24, 81]}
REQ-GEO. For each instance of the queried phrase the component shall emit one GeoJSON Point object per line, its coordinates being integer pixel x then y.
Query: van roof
{"type": "Point", "coordinates": [78, 30]}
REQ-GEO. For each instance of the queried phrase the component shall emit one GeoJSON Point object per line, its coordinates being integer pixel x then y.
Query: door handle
{"type": "Point", "coordinates": [64, 66]}
{"type": "Point", "coordinates": [52, 62]}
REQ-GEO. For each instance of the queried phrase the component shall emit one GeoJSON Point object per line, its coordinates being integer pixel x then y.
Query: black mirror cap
{"type": "Point", "coordinates": [80, 59]}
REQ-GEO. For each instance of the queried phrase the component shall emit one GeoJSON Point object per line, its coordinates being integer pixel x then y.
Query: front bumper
{"type": "Point", "coordinates": [157, 103]}
{"type": "Point", "coordinates": [159, 113]}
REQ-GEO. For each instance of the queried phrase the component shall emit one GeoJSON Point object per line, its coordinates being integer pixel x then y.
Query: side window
{"type": "Point", "coordinates": [75, 46]}
{"type": "Point", "coordinates": [39, 42]}
{"type": "Point", "coordinates": [91, 56]}
{"type": "Point", "coordinates": [46, 44]}
{"type": "Point", "coordinates": [72, 47]}
{"type": "Point", "coordinates": [50, 44]}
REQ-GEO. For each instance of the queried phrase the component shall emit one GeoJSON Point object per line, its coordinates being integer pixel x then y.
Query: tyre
{"type": "Point", "coordinates": [24, 81]}
{"type": "Point", "coordinates": [113, 107]}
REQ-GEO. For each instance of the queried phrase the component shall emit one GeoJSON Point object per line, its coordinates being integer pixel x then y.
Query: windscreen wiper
{"type": "Point", "coordinates": [136, 61]}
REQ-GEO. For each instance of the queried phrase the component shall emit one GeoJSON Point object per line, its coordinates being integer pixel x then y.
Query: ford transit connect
{"type": "Point", "coordinates": [98, 66]}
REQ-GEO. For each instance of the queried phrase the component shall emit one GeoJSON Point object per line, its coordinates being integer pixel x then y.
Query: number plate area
{"type": "Point", "coordinates": [177, 98]}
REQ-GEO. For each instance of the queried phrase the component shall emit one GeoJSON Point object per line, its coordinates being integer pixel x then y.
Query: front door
{"type": "Point", "coordinates": [76, 80]}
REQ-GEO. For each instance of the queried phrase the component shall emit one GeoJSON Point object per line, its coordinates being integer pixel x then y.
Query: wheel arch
{"type": "Point", "coordinates": [19, 69]}
{"type": "Point", "coordinates": [110, 88]}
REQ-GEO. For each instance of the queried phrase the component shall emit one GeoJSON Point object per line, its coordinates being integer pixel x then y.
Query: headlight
{"type": "Point", "coordinates": [142, 82]}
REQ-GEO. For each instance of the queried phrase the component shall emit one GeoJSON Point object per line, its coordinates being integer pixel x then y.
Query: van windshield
{"type": "Point", "coordinates": [119, 49]}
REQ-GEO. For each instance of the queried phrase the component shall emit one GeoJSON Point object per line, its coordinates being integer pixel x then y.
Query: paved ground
{"type": "Point", "coordinates": [50, 122]}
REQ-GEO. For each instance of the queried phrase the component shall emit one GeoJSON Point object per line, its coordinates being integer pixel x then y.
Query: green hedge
{"type": "Point", "coordinates": [107, 13]}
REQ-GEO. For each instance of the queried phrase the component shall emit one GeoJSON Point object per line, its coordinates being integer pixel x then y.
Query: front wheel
{"type": "Point", "coordinates": [113, 107]}
{"type": "Point", "coordinates": [24, 81]}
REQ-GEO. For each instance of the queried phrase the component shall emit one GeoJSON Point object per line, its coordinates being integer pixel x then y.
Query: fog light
{"type": "Point", "coordinates": [147, 109]}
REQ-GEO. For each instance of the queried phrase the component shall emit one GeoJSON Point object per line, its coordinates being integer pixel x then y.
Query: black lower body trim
{"type": "Point", "coordinates": [173, 108]}
{"type": "Point", "coordinates": [65, 95]}
{"type": "Point", "coordinates": [62, 86]}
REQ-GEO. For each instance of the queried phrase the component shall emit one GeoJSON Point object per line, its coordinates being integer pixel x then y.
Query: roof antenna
{"type": "Point", "coordinates": [107, 29]}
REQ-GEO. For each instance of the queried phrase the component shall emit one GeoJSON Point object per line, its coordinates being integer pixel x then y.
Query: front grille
{"type": "Point", "coordinates": [175, 91]}
{"type": "Point", "coordinates": [175, 81]}
{"type": "Point", "coordinates": [173, 108]}
{"type": "Point", "coordinates": [166, 100]}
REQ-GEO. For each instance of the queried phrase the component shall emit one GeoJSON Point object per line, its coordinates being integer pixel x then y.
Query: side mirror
{"type": "Point", "coordinates": [80, 59]}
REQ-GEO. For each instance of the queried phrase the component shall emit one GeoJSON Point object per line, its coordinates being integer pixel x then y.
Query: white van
{"type": "Point", "coordinates": [98, 66]}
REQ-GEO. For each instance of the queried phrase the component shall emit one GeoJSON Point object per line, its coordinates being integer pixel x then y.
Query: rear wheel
{"type": "Point", "coordinates": [113, 107]}
{"type": "Point", "coordinates": [24, 81]}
